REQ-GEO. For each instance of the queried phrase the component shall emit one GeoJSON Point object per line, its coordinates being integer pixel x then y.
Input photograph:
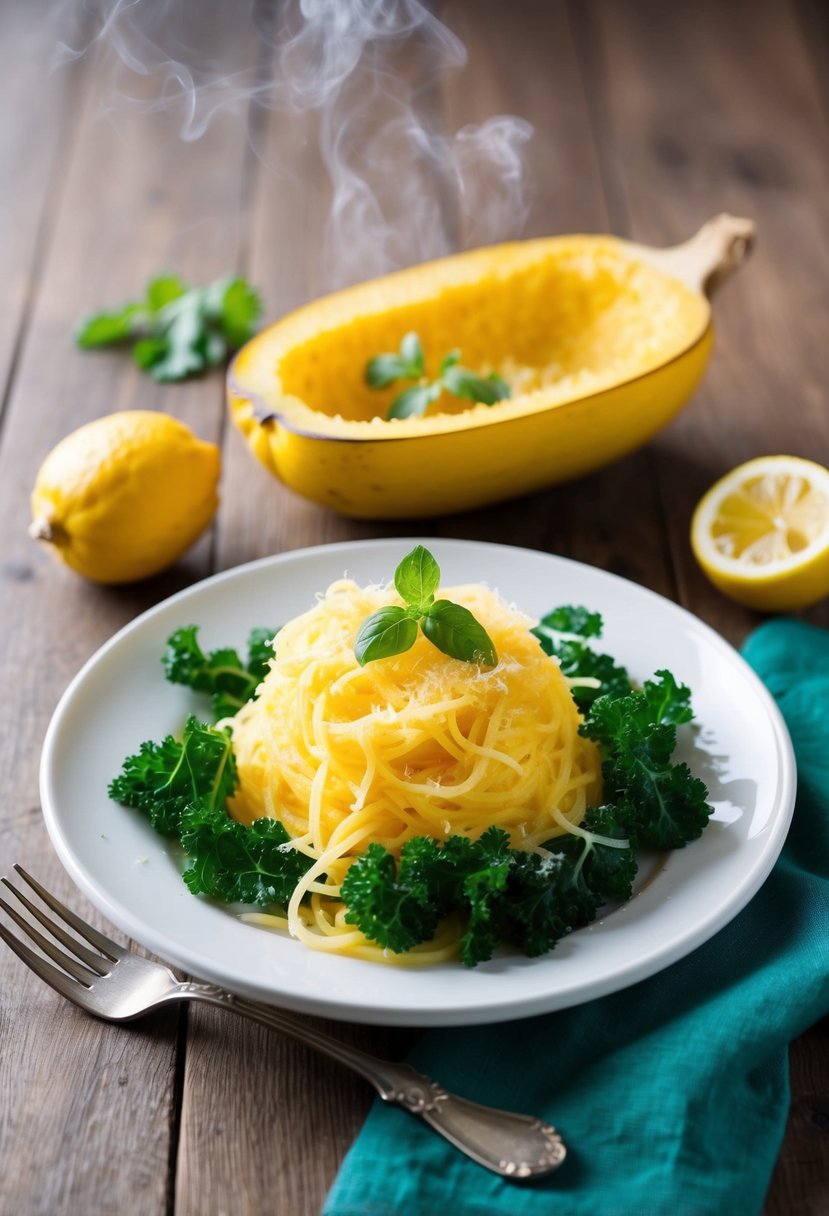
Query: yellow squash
{"type": "Point", "coordinates": [601, 341]}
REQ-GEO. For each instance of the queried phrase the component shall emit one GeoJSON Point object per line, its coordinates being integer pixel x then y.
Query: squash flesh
{"type": "Point", "coordinates": [559, 319]}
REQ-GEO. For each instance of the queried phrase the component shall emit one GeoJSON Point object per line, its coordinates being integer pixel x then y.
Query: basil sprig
{"type": "Point", "coordinates": [448, 626]}
{"type": "Point", "coordinates": [409, 363]}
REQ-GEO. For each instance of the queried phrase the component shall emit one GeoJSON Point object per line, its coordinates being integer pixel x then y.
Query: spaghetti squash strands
{"type": "Point", "coordinates": [411, 745]}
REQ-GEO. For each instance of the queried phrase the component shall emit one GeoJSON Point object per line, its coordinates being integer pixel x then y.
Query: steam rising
{"type": "Point", "coordinates": [365, 74]}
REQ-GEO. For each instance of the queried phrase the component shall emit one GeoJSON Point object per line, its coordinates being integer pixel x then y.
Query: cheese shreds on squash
{"type": "Point", "coordinates": [414, 744]}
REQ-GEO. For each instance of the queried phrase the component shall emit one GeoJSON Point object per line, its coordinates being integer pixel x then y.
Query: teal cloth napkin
{"type": "Point", "coordinates": [672, 1095]}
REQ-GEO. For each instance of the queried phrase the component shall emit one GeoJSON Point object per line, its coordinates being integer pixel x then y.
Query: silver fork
{"type": "Point", "coordinates": [114, 984]}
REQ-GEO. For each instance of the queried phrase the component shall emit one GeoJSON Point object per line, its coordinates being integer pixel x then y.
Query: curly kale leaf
{"type": "Point", "coordinates": [220, 673]}
{"type": "Point", "coordinates": [239, 864]}
{"type": "Point", "coordinates": [183, 786]}
{"type": "Point", "coordinates": [563, 634]}
{"type": "Point", "coordinates": [395, 913]}
{"type": "Point", "coordinates": [659, 804]}
{"type": "Point", "coordinates": [165, 779]}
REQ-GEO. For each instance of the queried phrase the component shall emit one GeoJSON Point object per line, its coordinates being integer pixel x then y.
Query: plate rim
{"type": "Point", "coordinates": [437, 1014]}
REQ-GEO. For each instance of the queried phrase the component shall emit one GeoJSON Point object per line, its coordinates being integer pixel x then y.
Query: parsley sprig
{"type": "Point", "coordinates": [178, 331]}
{"type": "Point", "coordinates": [409, 363]}
{"type": "Point", "coordinates": [448, 626]}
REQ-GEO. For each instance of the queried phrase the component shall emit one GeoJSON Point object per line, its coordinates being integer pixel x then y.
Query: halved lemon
{"type": "Point", "coordinates": [761, 533]}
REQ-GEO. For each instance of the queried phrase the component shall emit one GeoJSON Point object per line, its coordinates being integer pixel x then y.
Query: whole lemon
{"type": "Point", "coordinates": [124, 496]}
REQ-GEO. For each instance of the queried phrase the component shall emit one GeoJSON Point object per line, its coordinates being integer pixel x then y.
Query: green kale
{"type": "Point", "coordinates": [395, 913]}
{"type": "Point", "coordinates": [221, 673]}
{"type": "Point", "coordinates": [609, 869]}
{"type": "Point", "coordinates": [563, 634]}
{"type": "Point", "coordinates": [183, 785]}
{"type": "Point", "coordinates": [239, 864]}
{"type": "Point", "coordinates": [166, 779]}
{"type": "Point", "coordinates": [659, 804]}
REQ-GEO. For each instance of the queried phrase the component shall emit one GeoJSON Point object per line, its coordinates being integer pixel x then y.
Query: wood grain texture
{"type": "Point", "coordinates": [88, 1111]}
{"type": "Point", "coordinates": [36, 136]}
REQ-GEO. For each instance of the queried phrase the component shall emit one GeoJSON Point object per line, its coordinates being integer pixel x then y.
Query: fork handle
{"type": "Point", "coordinates": [513, 1145]}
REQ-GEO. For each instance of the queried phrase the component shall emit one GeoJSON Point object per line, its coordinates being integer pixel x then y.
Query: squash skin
{"type": "Point", "coordinates": [385, 470]}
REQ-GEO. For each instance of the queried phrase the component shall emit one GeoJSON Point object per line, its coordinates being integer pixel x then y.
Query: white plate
{"type": "Point", "coordinates": [741, 749]}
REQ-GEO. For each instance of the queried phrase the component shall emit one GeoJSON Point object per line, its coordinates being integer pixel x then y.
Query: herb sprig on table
{"type": "Point", "coordinates": [409, 363]}
{"type": "Point", "coordinates": [498, 893]}
{"type": "Point", "coordinates": [178, 331]}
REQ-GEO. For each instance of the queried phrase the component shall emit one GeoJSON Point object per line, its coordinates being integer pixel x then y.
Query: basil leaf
{"type": "Point", "coordinates": [450, 359]}
{"type": "Point", "coordinates": [149, 351]}
{"type": "Point", "coordinates": [417, 578]}
{"type": "Point", "coordinates": [411, 352]}
{"type": "Point", "coordinates": [466, 384]}
{"type": "Point", "coordinates": [239, 308]}
{"type": "Point", "coordinates": [414, 401]}
{"type": "Point", "coordinates": [499, 386]}
{"type": "Point", "coordinates": [383, 370]}
{"type": "Point", "coordinates": [163, 290]}
{"type": "Point", "coordinates": [104, 328]}
{"type": "Point", "coordinates": [386, 632]}
{"type": "Point", "coordinates": [454, 630]}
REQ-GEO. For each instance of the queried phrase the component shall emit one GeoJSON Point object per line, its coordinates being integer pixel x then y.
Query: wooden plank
{"type": "Point", "coordinates": [39, 106]}
{"type": "Point", "coordinates": [89, 1112]}
{"type": "Point", "coordinates": [757, 146]}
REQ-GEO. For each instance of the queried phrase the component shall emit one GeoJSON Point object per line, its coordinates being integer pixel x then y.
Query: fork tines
{"type": "Point", "coordinates": [82, 964]}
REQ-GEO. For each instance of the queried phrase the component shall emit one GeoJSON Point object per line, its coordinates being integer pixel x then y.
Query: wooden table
{"type": "Point", "coordinates": [649, 118]}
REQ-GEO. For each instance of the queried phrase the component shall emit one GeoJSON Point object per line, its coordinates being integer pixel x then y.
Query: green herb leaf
{"type": "Point", "coordinates": [387, 632]}
{"type": "Point", "coordinates": [163, 290]}
{"type": "Point", "coordinates": [413, 402]}
{"type": "Point", "coordinates": [450, 627]}
{"type": "Point", "coordinates": [107, 328]}
{"type": "Point", "coordinates": [240, 307]}
{"type": "Point", "coordinates": [179, 331]}
{"type": "Point", "coordinates": [409, 363]}
{"type": "Point", "coordinates": [456, 632]}
{"type": "Point", "coordinates": [417, 578]}
{"type": "Point", "coordinates": [411, 352]}
{"type": "Point", "coordinates": [383, 370]}
{"type": "Point", "coordinates": [466, 384]}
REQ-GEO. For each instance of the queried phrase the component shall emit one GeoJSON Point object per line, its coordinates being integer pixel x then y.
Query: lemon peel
{"type": "Point", "coordinates": [761, 533]}
{"type": "Point", "coordinates": [123, 497]}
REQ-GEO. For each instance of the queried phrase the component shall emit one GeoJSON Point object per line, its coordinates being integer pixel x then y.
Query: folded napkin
{"type": "Point", "coordinates": [671, 1095]}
